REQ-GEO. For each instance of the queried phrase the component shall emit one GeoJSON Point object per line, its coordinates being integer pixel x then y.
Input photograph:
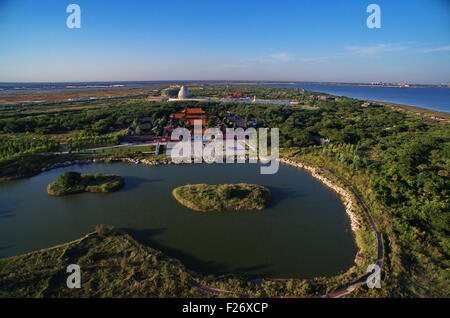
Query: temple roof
{"type": "Point", "coordinates": [193, 111]}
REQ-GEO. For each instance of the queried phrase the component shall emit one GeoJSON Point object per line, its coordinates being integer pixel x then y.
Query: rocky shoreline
{"type": "Point", "coordinates": [347, 199]}
{"type": "Point", "coordinates": [66, 164]}
{"type": "Point", "coordinates": [147, 162]}
{"type": "Point", "coordinates": [106, 160]}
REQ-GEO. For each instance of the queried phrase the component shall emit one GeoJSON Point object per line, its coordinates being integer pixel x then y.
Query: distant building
{"type": "Point", "coordinates": [235, 95]}
{"type": "Point", "coordinates": [145, 120]}
{"type": "Point", "coordinates": [145, 127]}
{"type": "Point", "coordinates": [237, 120]}
{"type": "Point", "coordinates": [325, 97]}
{"type": "Point", "coordinates": [170, 92]}
{"type": "Point", "coordinates": [183, 93]}
{"type": "Point", "coordinates": [190, 115]}
{"type": "Point", "coordinates": [321, 140]}
{"type": "Point", "coordinates": [368, 104]}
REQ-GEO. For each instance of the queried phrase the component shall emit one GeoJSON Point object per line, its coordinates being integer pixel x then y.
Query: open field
{"type": "Point", "coordinates": [16, 98]}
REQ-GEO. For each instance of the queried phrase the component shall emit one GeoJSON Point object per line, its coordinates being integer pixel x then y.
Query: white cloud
{"type": "Point", "coordinates": [254, 60]}
{"type": "Point", "coordinates": [232, 66]}
{"type": "Point", "coordinates": [274, 57]}
{"type": "Point", "coordinates": [282, 57]}
{"type": "Point", "coordinates": [319, 59]}
{"type": "Point", "coordinates": [438, 49]}
{"type": "Point", "coordinates": [376, 49]}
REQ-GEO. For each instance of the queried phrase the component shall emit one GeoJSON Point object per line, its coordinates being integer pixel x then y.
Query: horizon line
{"type": "Point", "coordinates": [220, 80]}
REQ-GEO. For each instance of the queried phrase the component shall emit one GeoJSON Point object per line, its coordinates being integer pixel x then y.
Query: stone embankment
{"type": "Point", "coordinates": [347, 199]}
{"type": "Point", "coordinates": [148, 162]}
{"type": "Point", "coordinates": [66, 164]}
{"type": "Point", "coordinates": [107, 160]}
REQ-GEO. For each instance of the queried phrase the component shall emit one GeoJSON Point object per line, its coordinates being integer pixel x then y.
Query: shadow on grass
{"type": "Point", "coordinates": [147, 237]}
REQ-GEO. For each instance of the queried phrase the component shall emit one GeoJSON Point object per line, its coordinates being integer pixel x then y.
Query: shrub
{"type": "Point", "coordinates": [69, 179]}
{"type": "Point", "coordinates": [103, 229]}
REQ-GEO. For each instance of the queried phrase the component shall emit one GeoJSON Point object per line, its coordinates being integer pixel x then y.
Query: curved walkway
{"type": "Point", "coordinates": [344, 290]}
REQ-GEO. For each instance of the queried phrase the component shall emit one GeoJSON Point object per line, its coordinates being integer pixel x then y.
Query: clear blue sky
{"type": "Point", "coordinates": [320, 40]}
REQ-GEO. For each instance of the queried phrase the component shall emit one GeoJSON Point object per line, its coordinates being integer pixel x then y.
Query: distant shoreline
{"type": "Point", "coordinates": [340, 84]}
{"type": "Point", "coordinates": [418, 110]}
{"type": "Point", "coordinates": [84, 95]}
{"type": "Point", "coordinates": [110, 84]}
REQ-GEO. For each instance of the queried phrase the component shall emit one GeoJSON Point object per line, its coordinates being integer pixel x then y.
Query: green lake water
{"type": "Point", "coordinates": [303, 233]}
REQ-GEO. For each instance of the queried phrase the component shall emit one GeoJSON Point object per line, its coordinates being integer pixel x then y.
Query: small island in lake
{"type": "Point", "coordinates": [75, 182]}
{"type": "Point", "coordinates": [223, 197]}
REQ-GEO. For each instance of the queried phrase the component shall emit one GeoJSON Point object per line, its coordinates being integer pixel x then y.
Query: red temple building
{"type": "Point", "coordinates": [189, 115]}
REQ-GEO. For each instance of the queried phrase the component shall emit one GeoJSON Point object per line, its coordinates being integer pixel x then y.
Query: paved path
{"type": "Point", "coordinates": [136, 144]}
{"type": "Point", "coordinates": [344, 290]}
